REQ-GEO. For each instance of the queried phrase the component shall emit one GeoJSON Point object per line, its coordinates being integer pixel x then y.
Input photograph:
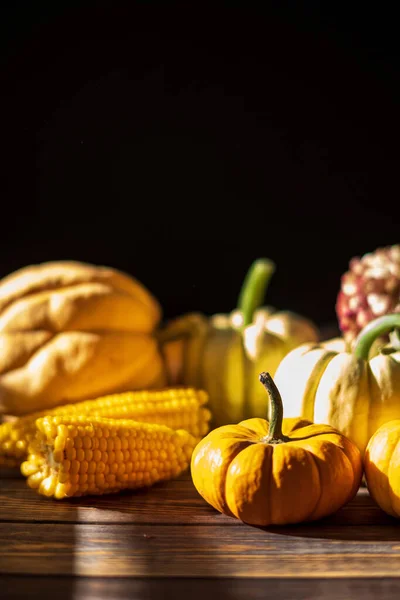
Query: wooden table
{"type": "Point", "coordinates": [166, 542]}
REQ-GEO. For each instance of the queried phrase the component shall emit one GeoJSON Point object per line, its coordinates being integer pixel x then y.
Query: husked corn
{"type": "Point", "coordinates": [79, 455]}
{"type": "Point", "coordinates": [178, 408]}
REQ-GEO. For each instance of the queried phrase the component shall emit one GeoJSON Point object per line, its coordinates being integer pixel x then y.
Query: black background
{"type": "Point", "coordinates": [181, 141]}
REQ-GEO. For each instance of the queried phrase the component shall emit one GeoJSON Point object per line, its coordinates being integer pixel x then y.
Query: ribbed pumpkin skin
{"type": "Point", "coordinates": [306, 478]}
{"type": "Point", "coordinates": [382, 467]}
{"type": "Point", "coordinates": [70, 331]}
{"type": "Point", "coordinates": [223, 354]}
{"type": "Point", "coordinates": [326, 384]}
{"type": "Point", "coordinates": [214, 354]}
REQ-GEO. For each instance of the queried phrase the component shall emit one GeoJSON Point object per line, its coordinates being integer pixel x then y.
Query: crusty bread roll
{"type": "Point", "coordinates": [71, 331]}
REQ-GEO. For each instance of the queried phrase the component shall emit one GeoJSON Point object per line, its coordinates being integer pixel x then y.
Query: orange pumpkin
{"type": "Point", "coordinates": [382, 467]}
{"type": "Point", "coordinates": [285, 471]}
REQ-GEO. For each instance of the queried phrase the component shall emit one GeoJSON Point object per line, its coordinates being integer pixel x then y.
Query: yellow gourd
{"type": "Point", "coordinates": [285, 471]}
{"type": "Point", "coordinates": [382, 467]}
{"type": "Point", "coordinates": [355, 392]}
{"type": "Point", "coordinates": [71, 331]}
{"type": "Point", "coordinates": [225, 353]}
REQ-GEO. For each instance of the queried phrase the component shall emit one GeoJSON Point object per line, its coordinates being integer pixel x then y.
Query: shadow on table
{"type": "Point", "coordinates": [356, 533]}
{"type": "Point", "coordinates": [360, 520]}
{"type": "Point", "coordinates": [38, 541]}
{"type": "Point", "coordinates": [160, 554]}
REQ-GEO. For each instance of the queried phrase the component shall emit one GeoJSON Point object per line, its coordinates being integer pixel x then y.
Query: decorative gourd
{"type": "Point", "coordinates": [352, 391]}
{"type": "Point", "coordinates": [224, 354]}
{"type": "Point", "coordinates": [71, 331]}
{"type": "Point", "coordinates": [284, 472]}
{"type": "Point", "coordinates": [369, 289]}
{"type": "Point", "coordinates": [382, 467]}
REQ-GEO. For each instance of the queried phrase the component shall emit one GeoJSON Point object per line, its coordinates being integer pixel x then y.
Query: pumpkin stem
{"type": "Point", "coordinates": [374, 329]}
{"type": "Point", "coordinates": [275, 435]}
{"type": "Point", "coordinates": [254, 286]}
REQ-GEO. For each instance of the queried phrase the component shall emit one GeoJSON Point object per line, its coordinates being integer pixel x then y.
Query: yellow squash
{"type": "Point", "coordinates": [382, 467]}
{"type": "Point", "coordinates": [285, 471]}
{"type": "Point", "coordinates": [224, 354]}
{"type": "Point", "coordinates": [352, 391]}
{"type": "Point", "coordinates": [71, 331]}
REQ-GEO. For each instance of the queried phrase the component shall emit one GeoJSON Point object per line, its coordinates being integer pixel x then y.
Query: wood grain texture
{"type": "Point", "coordinates": [65, 588]}
{"type": "Point", "coordinates": [198, 551]}
{"type": "Point", "coordinates": [174, 502]}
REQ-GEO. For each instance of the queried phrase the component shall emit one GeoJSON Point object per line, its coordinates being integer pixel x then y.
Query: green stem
{"type": "Point", "coordinates": [275, 435]}
{"type": "Point", "coordinates": [254, 286]}
{"type": "Point", "coordinates": [374, 329]}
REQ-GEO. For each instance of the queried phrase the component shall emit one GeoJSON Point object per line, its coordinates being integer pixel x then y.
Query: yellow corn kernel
{"type": "Point", "coordinates": [177, 408]}
{"type": "Point", "coordinates": [54, 474]}
{"type": "Point", "coordinates": [48, 486]}
{"type": "Point", "coordinates": [61, 491]}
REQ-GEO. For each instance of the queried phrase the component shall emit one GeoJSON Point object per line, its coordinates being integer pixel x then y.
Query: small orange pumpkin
{"type": "Point", "coordinates": [285, 471]}
{"type": "Point", "coordinates": [382, 467]}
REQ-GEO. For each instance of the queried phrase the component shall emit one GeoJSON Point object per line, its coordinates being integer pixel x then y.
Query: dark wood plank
{"type": "Point", "coordinates": [199, 551]}
{"type": "Point", "coordinates": [66, 588]}
{"type": "Point", "coordinates": [171, 502]}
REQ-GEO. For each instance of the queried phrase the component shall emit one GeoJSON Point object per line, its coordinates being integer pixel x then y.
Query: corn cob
{"type": "Point", "coordinates": [177, 408]}
{"type": "Point", "coordinates": [75, 456]}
